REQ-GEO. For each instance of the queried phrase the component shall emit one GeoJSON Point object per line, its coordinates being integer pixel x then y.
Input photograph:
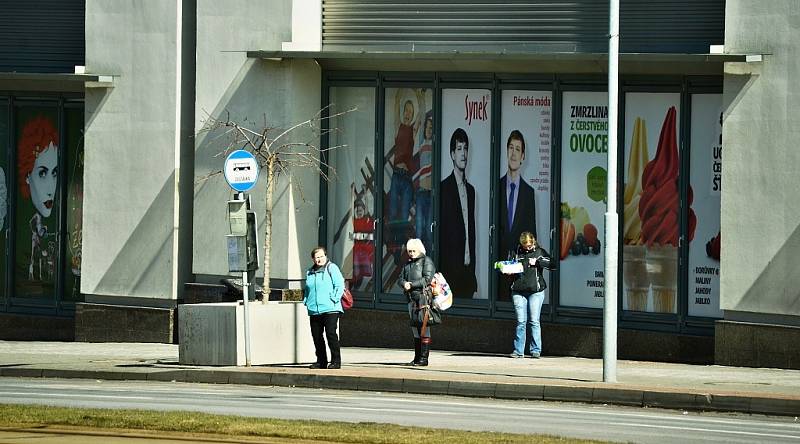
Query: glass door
{"type": "Point", "coordinates": [37, 203]}
{"type": "Point", "coordinates": [407, 189]}
{"type": "Point", "coordinates": [464, 192]}
{"type": "Point", "coordinates": [351, 218]}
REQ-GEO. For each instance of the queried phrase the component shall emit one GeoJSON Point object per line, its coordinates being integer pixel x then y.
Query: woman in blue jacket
{"type": "Point", "coordinates": [323, 300]}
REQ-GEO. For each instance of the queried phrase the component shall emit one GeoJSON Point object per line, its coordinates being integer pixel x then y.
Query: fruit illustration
{"type": "Point", "coordinates": [577, 246]}
{"type": "Point", "coordinates": [565, 210]}
{"type": "Point", "coordinates": [578, 234]}
{"type": "Point", "coordinates": [590, 234]}
{"type": "Point", "coordinates": [713, 247]}
{"type": "Point", "coordinates": [567, 237]}
{"type": "Point", "coordinates": [596, 247]}
{"type": "Point", "coordinates": [579, 217]}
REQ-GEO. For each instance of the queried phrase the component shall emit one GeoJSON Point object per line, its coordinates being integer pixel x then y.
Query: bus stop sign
{"type": "Point", "coordinates": [241, 170]}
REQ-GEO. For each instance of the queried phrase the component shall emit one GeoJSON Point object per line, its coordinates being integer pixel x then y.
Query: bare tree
{"type": "Point", "coordinates": [277, 154]}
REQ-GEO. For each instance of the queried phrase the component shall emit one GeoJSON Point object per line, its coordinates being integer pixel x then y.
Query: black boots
{"type": "Point", "coordinates": [417, 346]}
{"type": "Point", "coordinates": [424, 350]}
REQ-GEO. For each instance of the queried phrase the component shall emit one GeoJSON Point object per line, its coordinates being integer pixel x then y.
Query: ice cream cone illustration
{"type": "Point", "coordinates": [635, 277]}
{"type": "Point", "coordinates": [662, 267]}
{"type": "Point", "coordinates": [634, 269]}
{"type": "Point", "coordinates": [659, 211]}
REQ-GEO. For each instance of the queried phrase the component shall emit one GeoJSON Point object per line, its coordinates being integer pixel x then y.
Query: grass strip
{"type": "Point", "coordinates": [29, 416]}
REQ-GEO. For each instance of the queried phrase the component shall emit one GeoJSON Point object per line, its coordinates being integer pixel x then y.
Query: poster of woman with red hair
{"type": "Point", "coordinates": [37, 180]}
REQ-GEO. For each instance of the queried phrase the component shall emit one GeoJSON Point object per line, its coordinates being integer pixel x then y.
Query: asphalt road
{"type": "Point", "coordinates": [612, 423]}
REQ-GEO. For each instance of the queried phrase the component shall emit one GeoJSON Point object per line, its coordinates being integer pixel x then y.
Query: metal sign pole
{"type": "Point", "coordinates": [611, 216]}
{"type": "Point", "coordinates": [246, 294]}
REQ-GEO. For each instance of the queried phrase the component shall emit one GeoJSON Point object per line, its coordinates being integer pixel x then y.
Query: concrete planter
{"type": "Point", "coordinates": [213, 334]}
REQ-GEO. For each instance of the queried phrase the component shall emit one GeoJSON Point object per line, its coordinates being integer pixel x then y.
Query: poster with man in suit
{"type": "Point", "coordinates": [457, 258]}
{"type": "Point", "coordinates": [464, 210]}
{"type": "Point", "coordinates": [517, 205]}
{"type": "Point", "coordinates": [524, 186]}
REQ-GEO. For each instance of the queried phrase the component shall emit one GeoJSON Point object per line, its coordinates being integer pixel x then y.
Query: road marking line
{"type": "Point", "coordinates": [697, 429]}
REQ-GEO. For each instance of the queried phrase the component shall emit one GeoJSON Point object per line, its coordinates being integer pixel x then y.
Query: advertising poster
{"type": "Point", "coordinates": [525, 158]}
{"type": "Point", "coordinates": [651, 203]}
{"type": "Point", "coordinates": [584, 154]}
{"type": "Point", "coordinates": [407, 171]}
{"type": "Point", "coordinates": [351, 192]}
{"type": "Point", "coordinates": [464, 191]}
{"type": "Point", "coordinates": [706, 181]}
{"type": "Point", "coordinates": [38, 146]}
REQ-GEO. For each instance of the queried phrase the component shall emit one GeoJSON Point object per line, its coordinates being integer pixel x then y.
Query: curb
{"type": "Point", "coordinates": [534, 392]}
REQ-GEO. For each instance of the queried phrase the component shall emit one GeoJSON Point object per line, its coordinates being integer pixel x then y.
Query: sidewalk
{"type": "Point", "coordinates": [653, 384]}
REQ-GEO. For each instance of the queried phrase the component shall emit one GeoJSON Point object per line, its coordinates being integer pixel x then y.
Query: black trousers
{"type": "Point", "coordinates": [327, 323]}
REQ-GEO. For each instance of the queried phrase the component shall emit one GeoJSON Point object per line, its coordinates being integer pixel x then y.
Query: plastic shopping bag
{"type": "Point", "coordinates": [443, 296]}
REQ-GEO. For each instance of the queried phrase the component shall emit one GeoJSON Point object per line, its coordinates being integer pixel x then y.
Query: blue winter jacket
{"type": "Point", "coordinates": [324, 288]}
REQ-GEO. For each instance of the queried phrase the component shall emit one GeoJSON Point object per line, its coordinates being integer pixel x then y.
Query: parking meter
{"type": "Point", "coordinates": [242, 240]}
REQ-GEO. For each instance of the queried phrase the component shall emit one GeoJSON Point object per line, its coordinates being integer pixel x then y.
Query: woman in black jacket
{"type": "Point", "coordinates": [416, 275]}
{"type": "Point", "coordinates": [527, 293]}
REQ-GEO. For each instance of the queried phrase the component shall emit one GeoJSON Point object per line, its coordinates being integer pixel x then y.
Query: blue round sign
{"type": "Point", "coordinates": [241, 170]}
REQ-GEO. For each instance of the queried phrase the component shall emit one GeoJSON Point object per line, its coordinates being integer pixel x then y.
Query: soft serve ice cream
{"type": "Point", "coordinates": [659, 209]}
{"type": "Point", "coordinates": [637, 159]}
{"type": "Point", "coordinates": [634, 269]}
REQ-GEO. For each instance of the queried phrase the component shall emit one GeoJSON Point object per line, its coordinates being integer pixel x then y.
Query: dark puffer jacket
{"type": "Point", "coordinates": [419, 272]}
{"type": "Point", "coordinates": [531, 280]}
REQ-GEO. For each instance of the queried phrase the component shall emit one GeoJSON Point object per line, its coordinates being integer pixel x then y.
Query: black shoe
{"type": "Point", "coordinates": [317, 365]}
{"type": "Point", "coordinates": [334, 365]}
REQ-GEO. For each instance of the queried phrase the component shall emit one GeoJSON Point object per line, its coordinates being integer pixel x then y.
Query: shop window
{"type": "Point", "coordinates": [584, 154]}
{"type": "Point", "coordinates": [351, 190]}
{"type": "Point", "coordinates": [464, 204]}
{"type": "Point", "coordinates": [706, 182]}
{"type": "Point", "coordinates": [4, 187]}
{"type": "Point", "coordinates": [525, 158]}
{"type": "Point", "coordinates": [408, 175]}
{"type": "Point", "coordinates": [37, 205]}
{"type": "Point", "coordinates": [74, 177]}
{"type": "Point", "coordinates": [651, 203]}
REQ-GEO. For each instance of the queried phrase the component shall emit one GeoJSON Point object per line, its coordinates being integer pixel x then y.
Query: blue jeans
{"type": "Point", "coordinates": [400, 195]}
{"type": "Point", "coordinates": [528, 308]}
{"type": "Point", "coordinates": [424, 218]}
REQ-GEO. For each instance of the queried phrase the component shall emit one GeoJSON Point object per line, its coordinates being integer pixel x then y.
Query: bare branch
{"type": "Point", "coordinates": [275, 156]}
{"type": "Point", "coordinates": [205, 177]}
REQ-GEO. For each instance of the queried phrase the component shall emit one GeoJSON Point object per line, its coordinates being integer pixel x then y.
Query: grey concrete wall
{"type": "Point", "coordinates": [130, 143]}
{"type": "Point", "coordinates": [745, 344]}
{"type": "Point", "coordinates": [278, 92]}
{"type": "Point", "coordinates": [760, 211]}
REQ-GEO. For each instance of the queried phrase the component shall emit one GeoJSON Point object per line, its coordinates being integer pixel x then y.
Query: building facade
{"type": "Point", "coordinates": [466, 124]}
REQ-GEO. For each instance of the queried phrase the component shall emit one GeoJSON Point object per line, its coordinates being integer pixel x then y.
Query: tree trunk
{"type": "Point", "coordinates": [268, 222]}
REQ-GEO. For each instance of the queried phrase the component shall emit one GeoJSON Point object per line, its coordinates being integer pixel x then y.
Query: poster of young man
{"type": "Point", "coordinates": [524, 186]}
{"type": "Point", "coordinates": [584, 154]}
{"type": "Point", "coordinates": [651, 209]}
{"type": "Point", "coordinates": [706, 181]}
{"type": "Point", "coordinates": [464, 191]}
